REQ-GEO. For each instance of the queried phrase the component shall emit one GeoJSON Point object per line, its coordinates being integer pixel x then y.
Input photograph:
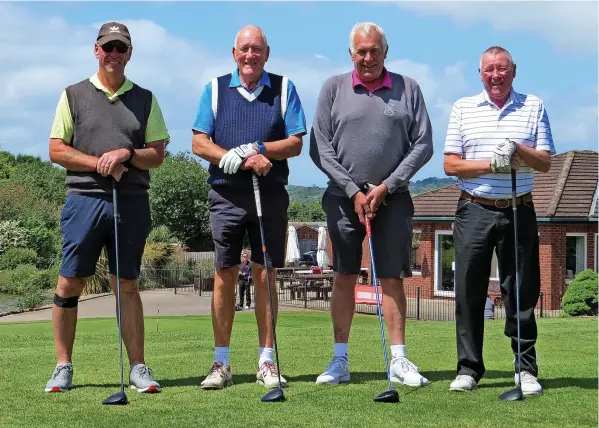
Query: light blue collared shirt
{"type": "Point", "coordinates": [295, 119]}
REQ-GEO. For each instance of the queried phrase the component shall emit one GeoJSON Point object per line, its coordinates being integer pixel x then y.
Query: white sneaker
{"type": "Point", "coordinates": [530, 385]}
{"type": "Point", "coordinates": [463, 383]}
{"type": "Point", "coordinates": [268, 376]}
{"type": "Point", "coordinates": [246, 307]}
{"type": "Point", "coordinates": [336, 372]}
{"type": "Point", "coordinates": [405, 372]}
{"type": "Point", "coordinates": [218, 377]}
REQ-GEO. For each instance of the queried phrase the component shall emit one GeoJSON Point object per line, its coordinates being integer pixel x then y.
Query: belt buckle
{"type": "Point", "coordinates": [507, 203]}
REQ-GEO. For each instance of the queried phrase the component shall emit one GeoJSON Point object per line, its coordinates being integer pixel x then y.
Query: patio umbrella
{"type": "Point", "coordinates": [292, 254]}
{"type": "Point", "coordinates": [321, 255]}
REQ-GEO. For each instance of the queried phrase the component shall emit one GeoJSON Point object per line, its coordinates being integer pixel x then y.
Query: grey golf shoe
{"type": "Point", "coordinates": [61, 380]}
{"type": "Point", "coordinates": [141, 379]}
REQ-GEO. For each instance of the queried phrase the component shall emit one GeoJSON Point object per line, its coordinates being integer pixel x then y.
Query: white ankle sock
{"type": "Point", "coordinates": [221, 355]}
{"type": "Point", "coordinates": [341, 350]}
{"type": "Point", "coordinates": [265, 355]}
{"type": "Point", "coordinates": [398, 351]}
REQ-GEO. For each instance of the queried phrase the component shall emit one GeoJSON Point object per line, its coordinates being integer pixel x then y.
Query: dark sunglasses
{"type": "Point", "coordinates": [120, 47]}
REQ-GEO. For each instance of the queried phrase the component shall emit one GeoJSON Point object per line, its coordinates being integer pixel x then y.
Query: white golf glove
{"type": "Point", "coordinates": [502, 156]}
{"type": "Point", "coordinates": [231, 161]}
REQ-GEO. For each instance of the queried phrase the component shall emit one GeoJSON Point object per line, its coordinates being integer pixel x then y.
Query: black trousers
{"type": "Point", "coordinates": [244, 289]}
{"type": "Point", "coordinates": [478, 231]}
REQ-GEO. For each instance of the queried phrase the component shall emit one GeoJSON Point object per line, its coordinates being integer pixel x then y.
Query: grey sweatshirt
{"type": "Point", "coordinates": [358, 137]}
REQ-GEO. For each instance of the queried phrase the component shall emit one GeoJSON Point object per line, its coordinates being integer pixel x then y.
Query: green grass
{"type": "Point", "coordinates": [181, 353]}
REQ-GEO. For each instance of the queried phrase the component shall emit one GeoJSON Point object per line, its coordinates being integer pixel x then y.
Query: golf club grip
{"type": "Point", "coordinates": [257, 195]}
{"type": "Point", "coordinates": [368, 229]}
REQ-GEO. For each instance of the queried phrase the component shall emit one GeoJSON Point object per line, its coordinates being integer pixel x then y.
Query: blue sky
{"type": "Point", "coordinates": [180, 46]}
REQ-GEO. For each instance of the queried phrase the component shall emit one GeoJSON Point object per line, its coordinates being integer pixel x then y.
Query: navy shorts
{"type": "Point", "coordinates": [391, 235]}
{"type": "Point", "coordinates": [87, 226]}
{"type": "Point", "coordinates": [233, 212]}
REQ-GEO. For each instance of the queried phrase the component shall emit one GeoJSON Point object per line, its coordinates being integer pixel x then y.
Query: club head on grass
{"type": "Point", "coordinates": [514, 394]}
{"type": "Point", "coordinates": [274, 395]}
{"type": "Point", "coordinates": [118, 399]}
{"type": "Point", "coordinates": [391, 396]}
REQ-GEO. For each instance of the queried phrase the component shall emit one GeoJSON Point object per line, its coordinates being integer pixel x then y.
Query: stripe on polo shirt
{"type": "Point", "coordinates": [476, 127]}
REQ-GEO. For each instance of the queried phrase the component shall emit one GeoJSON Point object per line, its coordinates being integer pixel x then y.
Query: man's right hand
{"type": "Point", "coordinates": [362, 207]}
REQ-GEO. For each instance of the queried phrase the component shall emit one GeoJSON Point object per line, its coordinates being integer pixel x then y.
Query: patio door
{"type": "Point", "coordinates": [444, 263]}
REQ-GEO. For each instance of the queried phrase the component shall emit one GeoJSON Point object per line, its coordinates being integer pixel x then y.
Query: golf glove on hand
{"type": "Point", "coordinates": [502, 156]}
{"type": "Point", "coordinates": [231, 161]}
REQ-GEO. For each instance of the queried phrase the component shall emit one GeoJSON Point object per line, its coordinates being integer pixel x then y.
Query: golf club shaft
{"type": "Point", "coordinates": [515, 211]}
{"type": "Point", "coordinates": [378, 300]}
{"type": "Point", "coordinates": [118, 276]}
{"type": "Point", "coordinates": [272, 314]}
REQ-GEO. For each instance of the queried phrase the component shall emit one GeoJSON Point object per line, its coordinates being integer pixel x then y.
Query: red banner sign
{"type": "Point", "coordinates": [365, 294]}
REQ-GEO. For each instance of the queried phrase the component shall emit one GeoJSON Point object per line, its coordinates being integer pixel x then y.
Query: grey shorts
{"type": "Point", "coordinates": [391, 235]}
{"type": "Point", "coordinates": [233, 212]}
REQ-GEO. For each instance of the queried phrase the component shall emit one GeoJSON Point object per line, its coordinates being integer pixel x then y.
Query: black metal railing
{"type": "Point", "coordinates": [313, 291]}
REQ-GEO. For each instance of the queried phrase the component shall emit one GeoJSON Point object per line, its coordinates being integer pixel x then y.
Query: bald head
{"type": "Point", "coordinates": [249, 32]}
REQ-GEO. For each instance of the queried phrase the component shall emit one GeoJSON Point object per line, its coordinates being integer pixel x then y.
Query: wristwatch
{"type": "Point", "coordinates": [260, 146]}
{"type": "Point", "coordinates": [127, 163]}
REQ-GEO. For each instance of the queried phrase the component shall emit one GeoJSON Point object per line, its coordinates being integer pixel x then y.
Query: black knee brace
{"type": "Point", "coordinates": [66, 302]}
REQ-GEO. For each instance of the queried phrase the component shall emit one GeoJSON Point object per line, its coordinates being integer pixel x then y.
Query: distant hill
{"type": "Point", "coordinates": [314, 193]}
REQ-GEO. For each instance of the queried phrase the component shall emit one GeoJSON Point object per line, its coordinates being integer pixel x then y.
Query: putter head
{"type": "Point", "coordinates": [391, 396]}
{"type": "Point", "coordinates": [514, 394]}
{"type": "Point", "coordinates": [274, 395]}
{"type": "Point", "coordinates": [118, 399]}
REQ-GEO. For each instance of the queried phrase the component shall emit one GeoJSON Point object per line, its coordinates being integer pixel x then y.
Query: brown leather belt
{"type": "Point", "coordinates": [497, 203]}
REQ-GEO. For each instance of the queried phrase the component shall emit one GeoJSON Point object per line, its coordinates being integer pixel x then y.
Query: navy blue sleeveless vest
{"type": "Point", "coordinates": [239, 121]}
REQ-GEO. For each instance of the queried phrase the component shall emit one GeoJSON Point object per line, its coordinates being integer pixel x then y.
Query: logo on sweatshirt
{"type": "Point", "coordinates": [389, 108]}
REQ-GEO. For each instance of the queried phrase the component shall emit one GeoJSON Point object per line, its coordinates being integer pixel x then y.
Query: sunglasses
{"type": "Point", "coordinates": [120, 47]}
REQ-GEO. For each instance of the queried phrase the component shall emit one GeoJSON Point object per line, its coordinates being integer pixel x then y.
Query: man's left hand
{"type": "Point", "coordinates": [259, 163]}
{"type": "Point", "coordinates": [502, 156]}
{"type": "Point", "coordinates": [109, 160]}
{"type": "Point", "coordinates": [376, 195]}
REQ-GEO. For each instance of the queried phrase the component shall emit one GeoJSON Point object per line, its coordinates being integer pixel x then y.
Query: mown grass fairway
{"type": "Point", "coordinates": [181, 353]}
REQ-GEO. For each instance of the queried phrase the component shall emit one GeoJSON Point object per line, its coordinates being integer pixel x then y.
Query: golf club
{"type": "Point", "coordinates": [275, 394]}
{"type": "Point", "coordinates": [391, 395]}
{"type": "Point", "coordinates": [515, 394]}
{"type": "Point", "coordinates": [158, 317]}
{"type": "Point", "coordinates": [120, 398]}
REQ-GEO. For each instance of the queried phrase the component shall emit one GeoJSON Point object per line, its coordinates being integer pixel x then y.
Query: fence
{"type": "Point", "coordinates": [314, 292]}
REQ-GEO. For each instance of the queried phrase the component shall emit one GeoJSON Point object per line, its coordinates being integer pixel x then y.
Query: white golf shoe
{"type": "Point", "coordinates": [405, 372]}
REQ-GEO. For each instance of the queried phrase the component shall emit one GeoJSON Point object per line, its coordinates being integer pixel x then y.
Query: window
{"type": "Point", "coordinates": [596, 252]}
{"type": "Point", "coordinates": [416, 255]}
{"type": "Point", "coordinates": [444, 263]}
{"type": "Point", "coordinates": [576, 254]}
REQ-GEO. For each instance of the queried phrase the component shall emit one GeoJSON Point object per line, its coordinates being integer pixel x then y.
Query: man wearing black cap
{"type": "Point", "coordinates": [106, 128]}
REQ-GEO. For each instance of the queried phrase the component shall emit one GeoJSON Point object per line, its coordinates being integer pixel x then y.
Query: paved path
{"type": "Point", "coordinates": [171, 304]}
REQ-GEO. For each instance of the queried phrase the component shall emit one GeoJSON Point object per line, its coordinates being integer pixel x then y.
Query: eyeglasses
{"type": "Point", "coordinates": [120, 47]}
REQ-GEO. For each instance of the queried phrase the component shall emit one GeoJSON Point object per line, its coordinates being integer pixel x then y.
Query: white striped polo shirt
{"type": "Point", "coordinates": [476, 126]}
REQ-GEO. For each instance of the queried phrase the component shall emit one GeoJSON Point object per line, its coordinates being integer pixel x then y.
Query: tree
{"type": "Point", "coordinates": [305, 211]}
{"type": "Point", "coordinates": [7, 164]}
{"type": "Point", "coordinates": [179, 198]}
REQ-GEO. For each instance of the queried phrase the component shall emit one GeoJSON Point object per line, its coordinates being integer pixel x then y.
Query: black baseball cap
{"type": "Point", "coordinates": [112, 31]}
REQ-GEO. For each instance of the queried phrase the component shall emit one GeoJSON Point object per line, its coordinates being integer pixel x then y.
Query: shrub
{"type": "Point", "coordinates": [24, 278]}
{"type": "Point", "coordinates": [162, 235]}
{"type": "Point", "coordinates": [581, 295]}
{"type": "Point", "coordinates": [14, 257]}
{"type": "Point", "coordinates": [12, 234]}
{"type": "Point", "coordinates": [31, 299]}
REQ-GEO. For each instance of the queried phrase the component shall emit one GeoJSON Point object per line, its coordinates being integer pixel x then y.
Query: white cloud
{"type": "Point", "coordinates": [569, 25]}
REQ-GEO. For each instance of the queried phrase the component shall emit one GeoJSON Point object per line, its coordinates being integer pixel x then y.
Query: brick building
{"type": "Point", "coordinates": [565, 200]}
